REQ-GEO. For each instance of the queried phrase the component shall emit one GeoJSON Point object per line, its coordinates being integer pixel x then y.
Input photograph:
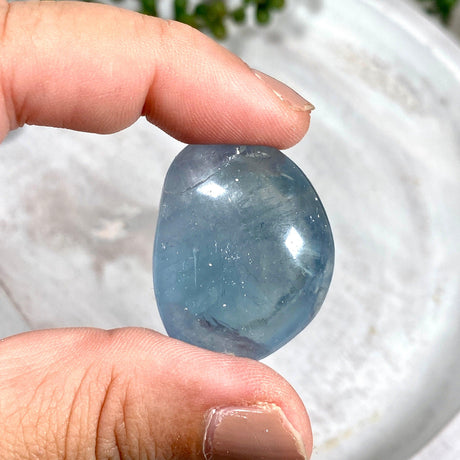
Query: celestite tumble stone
{"type": "Point", "coordinates": [243, 252]}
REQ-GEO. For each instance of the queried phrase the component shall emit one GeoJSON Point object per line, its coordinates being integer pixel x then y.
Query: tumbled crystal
{"type": "Point", "coordinates": [243, 252]}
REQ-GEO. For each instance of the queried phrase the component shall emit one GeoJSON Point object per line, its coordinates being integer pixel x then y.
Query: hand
{"type": "Point", "coordinates": [133, 393]}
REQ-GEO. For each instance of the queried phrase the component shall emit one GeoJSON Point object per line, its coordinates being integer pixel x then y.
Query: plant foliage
{"type": "Point", "coordinates": [214, 15]}
{"type": "Point", "coordinates": [441, 8]}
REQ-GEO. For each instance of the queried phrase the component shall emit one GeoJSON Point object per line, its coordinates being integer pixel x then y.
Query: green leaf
{"type": "Point", "coordinates": [149, 7]}
{"type": "Point", "coordinates": [262, 15]}
{"type": "Point", "coordinates": [276, 4]}
{"type": "Point", "coordinates": [180, 8]}
{"type": "Point", "coordinates": [219, 30]}
{"type": "Point", "coordinates": [239, 15]}
{"type": "Point", "coordinates": [441, 8]}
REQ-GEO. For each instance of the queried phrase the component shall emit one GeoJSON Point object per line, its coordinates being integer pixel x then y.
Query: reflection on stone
{"type": "Point", "coordinates": [243, 252]}
{"type": "Point", "coordinates": [294, 242]}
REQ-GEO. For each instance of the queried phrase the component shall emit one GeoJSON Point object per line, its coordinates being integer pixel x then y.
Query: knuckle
{"type": "Point", "coordinates": [123, 423]}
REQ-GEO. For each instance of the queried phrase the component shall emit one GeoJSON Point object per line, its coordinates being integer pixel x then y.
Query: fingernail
{"type": "Point", "coordinates": [285, 93]}
{"type": "Point", "coordinates": [251, 433]}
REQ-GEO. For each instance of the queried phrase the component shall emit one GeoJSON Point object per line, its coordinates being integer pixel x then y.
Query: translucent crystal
{"type": "Point", "coordinates": [243, 252]}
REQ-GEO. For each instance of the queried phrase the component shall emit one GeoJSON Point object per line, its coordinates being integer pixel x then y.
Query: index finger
{"type": "Point", "coordinates": [97, 68]}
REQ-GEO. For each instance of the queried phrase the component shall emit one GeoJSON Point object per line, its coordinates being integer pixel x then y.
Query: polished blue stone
{"type": "Point", "coordinates": [243, 252]}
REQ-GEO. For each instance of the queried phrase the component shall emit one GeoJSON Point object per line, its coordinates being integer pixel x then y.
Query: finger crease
{"type": "Point", "coordinates": [5, 17]}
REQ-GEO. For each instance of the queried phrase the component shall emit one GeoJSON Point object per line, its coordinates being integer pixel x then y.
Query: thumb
{"type": "Point", "coordinates": [133, 393]}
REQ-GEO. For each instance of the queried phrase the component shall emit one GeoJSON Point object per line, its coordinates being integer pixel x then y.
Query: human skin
{"type": "Point", "coordinates": [130, 393]}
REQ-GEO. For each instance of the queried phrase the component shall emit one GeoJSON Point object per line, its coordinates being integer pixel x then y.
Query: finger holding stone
{"type": "Point", "coordinates": [134, 393]}
{"type": "Point", "coordinates": [98, 68]}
